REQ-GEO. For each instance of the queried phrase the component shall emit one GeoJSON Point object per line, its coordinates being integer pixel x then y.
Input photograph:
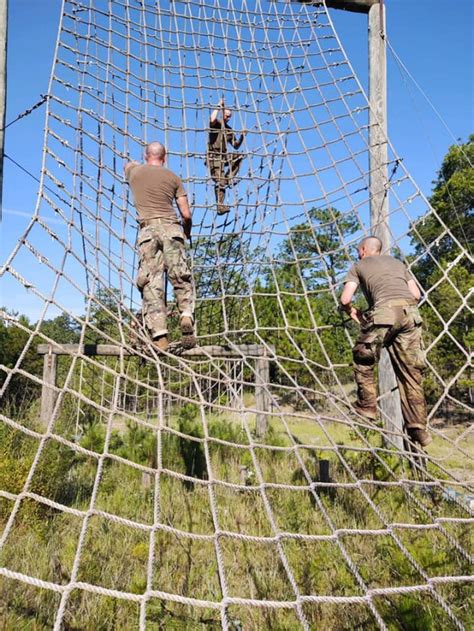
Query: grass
{"type": "Point", "coordinates": [449, 456]}
{"type": "Point", "coordinates": [43, 541]}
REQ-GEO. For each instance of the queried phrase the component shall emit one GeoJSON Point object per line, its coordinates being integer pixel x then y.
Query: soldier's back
{"type": "Point", "coordinates": [383, 278]}
{"type": "Point", "coordinates": [154, 190]}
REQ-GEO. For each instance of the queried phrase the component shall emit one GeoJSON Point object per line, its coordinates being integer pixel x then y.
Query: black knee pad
{"type": "Point", "coordinates": [364, 354]}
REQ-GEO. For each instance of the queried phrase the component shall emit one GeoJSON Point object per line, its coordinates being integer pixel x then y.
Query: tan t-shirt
{"type": "Point", "coordinates": [154, 190]}
{"type": "Point", "coordinates": [221, 134]}
{"type": "Point", "coordinates": [381, 278]}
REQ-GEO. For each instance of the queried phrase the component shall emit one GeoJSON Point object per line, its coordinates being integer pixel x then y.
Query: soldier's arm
{"type": "Point", "coordinates": [414, 289]}
{"type": "Point", "coordinates": [127, 167]}
{"type": "Point", "coordinates": [215, 113]}
{"type": "Point", "coordinates": [185, 211]}
{"type": "Point", "coordinates": [346, 301]}
{"type": "Point", "coordinates": [236, 143]}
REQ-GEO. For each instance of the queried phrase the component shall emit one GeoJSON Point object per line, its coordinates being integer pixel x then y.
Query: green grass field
{"type": "Point", "coordinates": [43, 541]}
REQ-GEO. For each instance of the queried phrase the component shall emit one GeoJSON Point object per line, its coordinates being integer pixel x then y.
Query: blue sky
{"type": "Point", "coordinates": [435, 43]}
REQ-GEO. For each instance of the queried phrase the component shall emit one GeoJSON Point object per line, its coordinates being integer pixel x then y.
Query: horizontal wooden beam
{"type": "Point", "coordinates": [92, 350]}
{"type": "Point", "coordinates": [357, 6]}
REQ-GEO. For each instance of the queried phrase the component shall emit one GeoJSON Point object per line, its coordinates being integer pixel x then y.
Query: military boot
{"type": "Point", "coordinates": [187, 331]}
{"type": "Point", "coordinates": [160, 343]}
{"type": "Point", "coordinates": [370, 413]}
{"type": "Point", "coordinates": [222, 207]}
{"type": "Point", "coordinates": [418, 435]}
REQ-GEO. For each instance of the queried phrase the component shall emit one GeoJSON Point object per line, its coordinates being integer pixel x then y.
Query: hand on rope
{"type": "Point", "coordinates": [128, 165]}
{"type": "Point", "coordinates": [353, 312]}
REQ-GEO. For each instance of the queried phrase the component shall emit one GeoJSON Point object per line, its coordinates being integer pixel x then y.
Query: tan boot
{"type": "Point", "coordinates": [370, 413]}
{"type": "Point", "coordinates": [418, 435]}
{"type": "Point", "coordinates": [223, 209]}
{"type": "Point", "coordinates": [187, 331]}
{"type": "Point", "coordinates": [160, 343]}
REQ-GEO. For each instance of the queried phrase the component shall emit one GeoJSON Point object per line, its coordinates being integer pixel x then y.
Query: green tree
{"type": "Point", "coordinates": [296, 295]}
{"type": "Point", "coordinates": [317, 246]}
{"type": "Point", "coordinates": [104, 315]}
{"type": "Point", "coordinates": [224, 271]}
{"type": "Point", "coordinates": [453, 202]}
{"type": "Point", "coordinates": [443, 242]}
{"type": "Point", "coordinates": [63, 329]}
{"type": "Point", "coordinates": [15, 331]}
{"type": "Point", "coordinates": [15, 334]}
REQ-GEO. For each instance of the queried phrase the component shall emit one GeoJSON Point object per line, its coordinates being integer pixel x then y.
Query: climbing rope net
{"type": "Point", "coordinates": [231, 486]}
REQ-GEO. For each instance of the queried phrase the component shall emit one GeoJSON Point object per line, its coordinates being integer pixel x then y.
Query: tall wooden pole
{"type": "Point", "coordinates": [379, 212]}
{"type": "Point", "coordinates": [3, 87]}
{"type": "Point", "coordinates": [378, 157]}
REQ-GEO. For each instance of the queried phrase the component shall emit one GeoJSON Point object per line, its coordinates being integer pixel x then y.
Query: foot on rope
{"type": "Point", "coordinates": [160, 343]}
{"type": "Point", "coordinates": [222, 209]}
{"type": "Point", "coordinates": [420, 436]}
{"type": "Point", "coordinates": [370, 413]}
{"type": "Point", "coordinates": [187, 331]}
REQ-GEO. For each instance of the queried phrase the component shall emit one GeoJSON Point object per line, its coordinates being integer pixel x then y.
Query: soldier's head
{"type": "Point", "coordinates": [155, 153]}
{"type": "Point", "coordinates": [227, 114]}
{"type": "Point", "coordinates": [370, 246]}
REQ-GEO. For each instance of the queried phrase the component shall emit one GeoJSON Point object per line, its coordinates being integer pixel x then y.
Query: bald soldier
{"type": "Point", "coordinates": [161, 244]}
{"type": "Point", "coordinates": [392, 321]}
{"type": "Point", "coordinates": [223, 166]}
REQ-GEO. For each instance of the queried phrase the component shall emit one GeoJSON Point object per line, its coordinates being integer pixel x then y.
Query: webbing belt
{"type": "Point", "coordinates": [400, 302]}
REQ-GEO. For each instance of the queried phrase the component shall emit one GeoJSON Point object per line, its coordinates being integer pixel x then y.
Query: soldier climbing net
{"type": "Point", "coordinates": [253, 497]}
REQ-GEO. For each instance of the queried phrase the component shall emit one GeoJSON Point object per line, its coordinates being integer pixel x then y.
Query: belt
{"type": "Point", "coordinates": [149, 222]}
{"type": "Point", "coordinates": [398, 302]}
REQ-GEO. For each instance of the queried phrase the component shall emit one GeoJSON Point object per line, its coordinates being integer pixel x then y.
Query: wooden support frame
{"type": "Point", "coordinates": [255, 352]}
{"type": "Point", "coordinates": [356, 6]}
{"type": "Point", "coordinates": [48, 393]}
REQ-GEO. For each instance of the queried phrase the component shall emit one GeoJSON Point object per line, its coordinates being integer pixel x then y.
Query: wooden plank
{"type": "Point", "coordinates": [239, 350]}
{"type": "Point", "coordinates": [93, 350]}
{"type": "Point", "coordinates": [356, 6]}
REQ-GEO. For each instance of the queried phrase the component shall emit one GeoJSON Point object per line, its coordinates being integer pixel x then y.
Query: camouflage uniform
{"type": "Point", "coordinates": [161, 247]}
{"type": "Point", "coordinates": [218, 158]}
{"type": "Point", "coordinates": [396, 325]}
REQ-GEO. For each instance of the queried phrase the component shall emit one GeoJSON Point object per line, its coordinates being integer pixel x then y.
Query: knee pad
{"type": "Point", "coordinates": [364, 354]}
{"type": "Point", "coordinates": [142, 280]}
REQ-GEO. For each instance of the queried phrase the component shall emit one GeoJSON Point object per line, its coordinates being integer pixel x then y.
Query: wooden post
{"type": "Point", "coordinates": [379, 218]}
{"type": "Point", "coordinates": [378, 174]}
{"type": "Point", "coordinates": [48, 394]}
{"type": "Point", "coordinates": [262, 398]}
{"type": "Point", "coordinates": [3, 86]}
{"type": "Point", "coordinates": [324, 471]}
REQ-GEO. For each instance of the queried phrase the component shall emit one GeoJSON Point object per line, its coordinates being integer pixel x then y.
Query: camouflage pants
{"type": "Point", "coordinates": [397, 327]}
{"type": "Point", "coordinates": [222, 177]}
{"type": "Point", "coordinates": [161, 248]}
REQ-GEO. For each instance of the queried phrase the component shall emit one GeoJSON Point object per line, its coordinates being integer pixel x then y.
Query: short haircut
{"type": "Point", "coordinates": [371, 243]}
{"type": "Point", "coordinates": [155, 150]}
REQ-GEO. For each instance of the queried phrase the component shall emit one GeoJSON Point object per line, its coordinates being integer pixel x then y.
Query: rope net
{"type": "Point", "coordinates": [230, 487]}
